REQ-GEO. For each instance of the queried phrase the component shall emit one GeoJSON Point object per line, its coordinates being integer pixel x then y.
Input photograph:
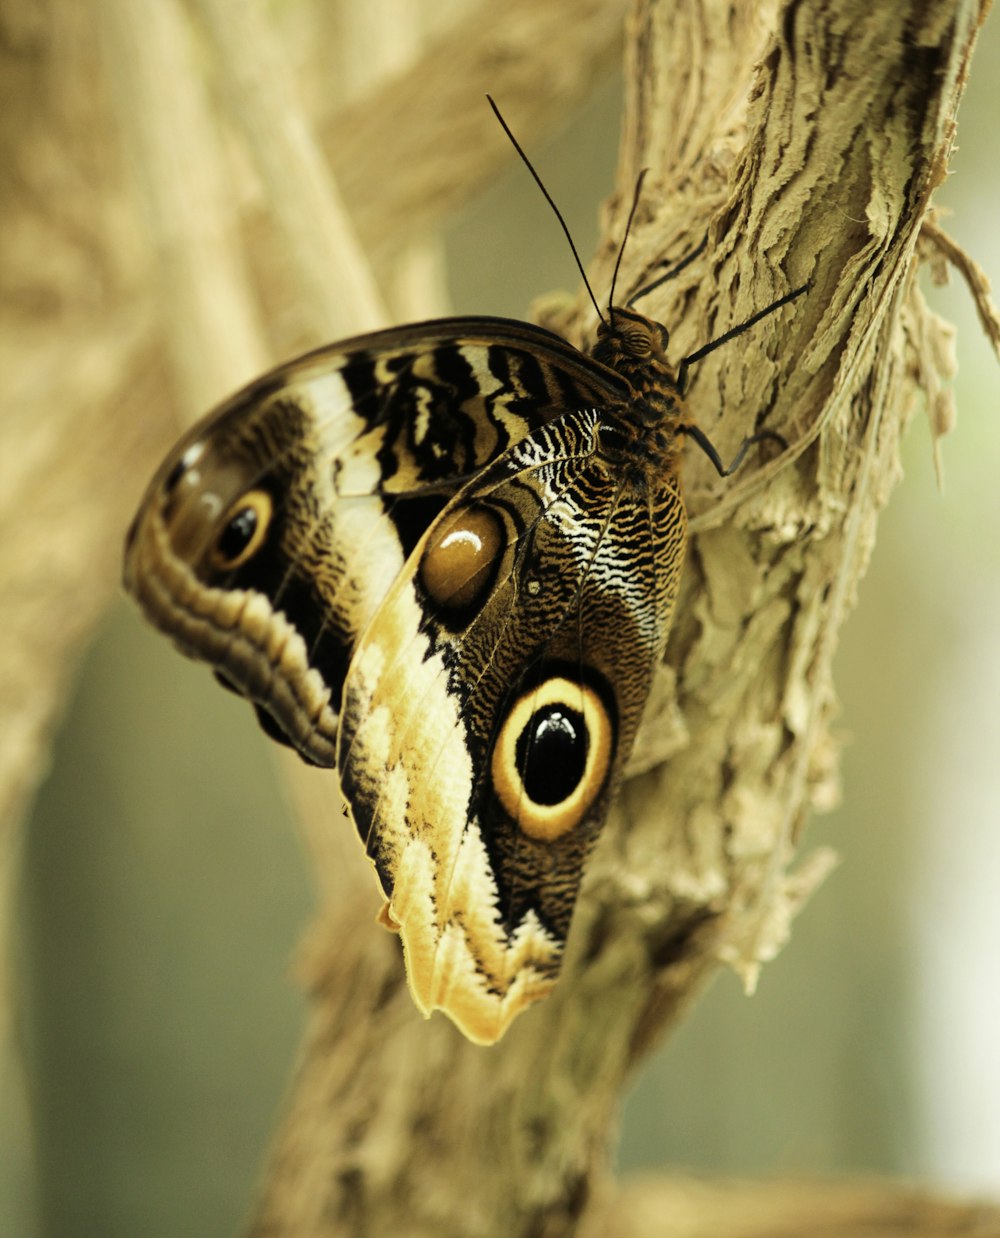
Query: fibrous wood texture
{"type": "Point", "coordinates": [805, 139]}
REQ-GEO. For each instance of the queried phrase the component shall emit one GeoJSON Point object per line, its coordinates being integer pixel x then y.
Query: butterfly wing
{"type": "Point", "coordinates": [491, 704]}
{"type": "Point", "coordinates": [273, 530]}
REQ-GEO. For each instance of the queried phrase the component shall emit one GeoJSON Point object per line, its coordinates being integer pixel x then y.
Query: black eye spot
{"type": "Point", "coordinates": [552, 756]}
{"type": "Point", "coordinates": [238, 534]}
{"type": "Point", "coordinates": [552, 753]}
{"type": "Point", "coordinates": [243, 530]}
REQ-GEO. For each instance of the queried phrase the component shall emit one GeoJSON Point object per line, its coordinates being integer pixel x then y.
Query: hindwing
{"type": "Point", "coordinates": [490, 706]}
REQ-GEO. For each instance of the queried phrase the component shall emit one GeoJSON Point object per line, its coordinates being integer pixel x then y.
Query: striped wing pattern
{"type": "Point", "coordinates": [443, 559]}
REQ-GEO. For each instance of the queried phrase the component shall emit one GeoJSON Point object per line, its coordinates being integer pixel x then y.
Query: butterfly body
{"type": "Point", "coordinates": [444, 560]}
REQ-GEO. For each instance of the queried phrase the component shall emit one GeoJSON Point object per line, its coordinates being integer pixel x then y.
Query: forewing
{"type": "Point", "coordinates": [273, 530]}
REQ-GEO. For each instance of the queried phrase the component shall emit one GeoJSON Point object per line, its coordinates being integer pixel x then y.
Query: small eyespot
{"type": "Point", "coordinates": [461, 558]}
{"type": "Point", "coordinates": [243, 530]}
{"type": "Point", "coordinates": [552, 756]}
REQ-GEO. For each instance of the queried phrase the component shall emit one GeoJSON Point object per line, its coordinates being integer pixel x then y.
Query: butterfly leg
{"type": "Point", "coordinates": [708, 447]}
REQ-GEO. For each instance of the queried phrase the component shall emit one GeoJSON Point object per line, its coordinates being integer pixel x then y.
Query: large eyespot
{"type": "Point", "coordinates": [461, 558]}
{"type": "Point", "coordinates": [243, 530]}
{"type": "Point", "coordinates": [551, 757]}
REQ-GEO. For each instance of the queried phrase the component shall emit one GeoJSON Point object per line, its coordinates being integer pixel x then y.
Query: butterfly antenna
{"type": "Point", "coordinates": [628, 229]}
{"type": "Point", "coordinates": [548, 198]}
{"type": "Point", "coordinates": [670, 273]}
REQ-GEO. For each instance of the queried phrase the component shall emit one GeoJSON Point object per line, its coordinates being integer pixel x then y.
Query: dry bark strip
{"type": "Point", "coordinates": [807, 139]}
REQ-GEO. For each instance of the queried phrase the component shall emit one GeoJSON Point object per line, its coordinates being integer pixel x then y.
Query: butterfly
{"type": "Point", "coordinates": [443, 560]}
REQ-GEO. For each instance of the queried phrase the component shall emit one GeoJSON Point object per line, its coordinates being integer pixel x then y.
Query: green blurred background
{"type": "Point", "coordinates": [163, 890]}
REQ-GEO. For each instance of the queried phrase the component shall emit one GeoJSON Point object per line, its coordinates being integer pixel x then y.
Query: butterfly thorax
{"type": "Point", "coordinates": [635, 348]}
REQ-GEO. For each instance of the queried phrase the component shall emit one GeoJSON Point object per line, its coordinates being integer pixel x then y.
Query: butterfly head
{"type": "Point", "coordinates": [634, 346]}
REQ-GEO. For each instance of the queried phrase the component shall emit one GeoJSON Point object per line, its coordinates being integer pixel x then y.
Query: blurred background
{"type": "Point", "coordinates": [162, 890]}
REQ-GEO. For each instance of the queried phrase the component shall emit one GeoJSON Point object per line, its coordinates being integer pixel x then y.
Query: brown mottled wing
{"type": "Point", "coordinates": [491, 704]}
{"type": "Point", "coordinates": [273, 530]}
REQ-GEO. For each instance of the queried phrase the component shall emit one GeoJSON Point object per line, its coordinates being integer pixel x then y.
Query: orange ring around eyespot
{"type": "Point", "coordinates": [548, 822]}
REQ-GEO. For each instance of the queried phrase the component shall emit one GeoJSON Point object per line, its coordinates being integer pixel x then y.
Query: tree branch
{"type": "Point", "coordinates": [825, 177]}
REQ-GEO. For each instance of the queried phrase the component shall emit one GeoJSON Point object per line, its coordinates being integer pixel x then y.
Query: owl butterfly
{"type": "Point", "coordinates": [443, 560]}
